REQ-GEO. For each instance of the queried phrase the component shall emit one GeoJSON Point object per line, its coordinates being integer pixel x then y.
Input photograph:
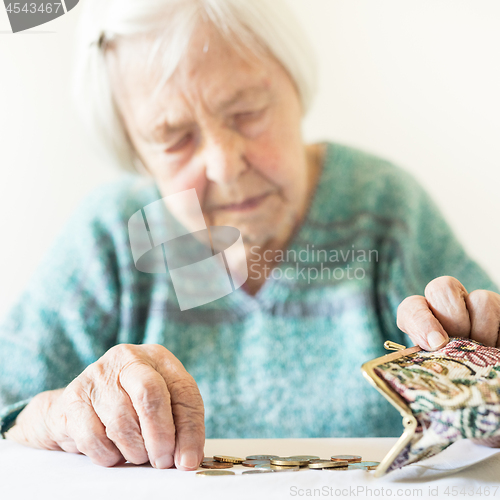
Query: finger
{"type": "Point", "coordinates": [189, 417]}
{"type": "Point", "coordinates": [115, 410]}
{"type": "Point", "coordinates": [417, 321]}
{"type": "Point", "coordinates": [492, 442]}
{"type": "Point", "coordinates": [151, 401]}
{"type": "Point", "coordinates": [88, 432]}
{"type": "Point", "coordinates": [57, 423]}
{"type": "Point", "coordinates": [446, 298]}
{"type": "Point", "coordinates": [188, 413]}
{"type": "Point", "coordinates": [484, 312]}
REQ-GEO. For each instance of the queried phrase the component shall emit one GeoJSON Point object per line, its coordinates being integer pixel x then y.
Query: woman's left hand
{"type": "Point", "coordinates": [448, 310]}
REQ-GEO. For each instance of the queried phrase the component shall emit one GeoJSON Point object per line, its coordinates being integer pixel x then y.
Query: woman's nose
{"type": "Point", "coordinates": [224, 157]}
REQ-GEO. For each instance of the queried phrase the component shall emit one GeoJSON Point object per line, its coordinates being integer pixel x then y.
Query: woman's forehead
{"type": "Point", "coordinates": [148, 58]}
{"type": "Point", "coordinates": [218, 76]}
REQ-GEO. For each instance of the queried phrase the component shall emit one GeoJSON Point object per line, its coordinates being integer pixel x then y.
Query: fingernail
{"type": "Point", "coordinates": [164, 462]}
{"type": "Point", "coordinates": [190, 460]}
{"type": "Point", "coordinates": [435, 339]}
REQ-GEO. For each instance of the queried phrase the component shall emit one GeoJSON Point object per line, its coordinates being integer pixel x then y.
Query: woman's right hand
{"type": "Point", "coordinates": [136, 403]}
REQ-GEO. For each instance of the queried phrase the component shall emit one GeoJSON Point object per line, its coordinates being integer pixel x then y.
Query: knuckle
{"type": "Point", "coordinates": [122, 352]}
{"type": "Point", "coordinates": [158, 350]}
{"type": "Point", "coordinates": [406, 309]}
{"type": "Point", "coordinates": [187, 391]}
{"type": "Point", "coordinates": [437, 285]}
{"type": "Point", "coordinates": [150, 398]}
{"type": "Point", "coordinates": [480, 298]}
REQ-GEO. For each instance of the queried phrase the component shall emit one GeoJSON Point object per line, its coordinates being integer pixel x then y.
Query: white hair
{"type": "Point", "coordinates": [254, 24]}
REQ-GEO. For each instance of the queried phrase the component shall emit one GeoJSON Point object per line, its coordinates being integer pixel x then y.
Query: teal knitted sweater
{"type": "Point", "coordinates": [283, 363]}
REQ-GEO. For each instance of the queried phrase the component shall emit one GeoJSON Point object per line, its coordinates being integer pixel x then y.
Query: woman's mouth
{"type": "Point", "coordinates": [244, 206]}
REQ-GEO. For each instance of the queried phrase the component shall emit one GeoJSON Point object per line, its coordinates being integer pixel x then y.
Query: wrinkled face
{"type": "Point", "coordinates": [226, 125]}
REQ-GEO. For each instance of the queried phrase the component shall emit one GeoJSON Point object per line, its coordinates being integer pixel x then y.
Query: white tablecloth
{"type": "Point", "coordinates": [466, 469]}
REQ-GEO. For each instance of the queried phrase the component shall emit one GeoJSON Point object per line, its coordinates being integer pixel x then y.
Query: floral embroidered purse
{"type": "Point", "coordinates": [443, 396]}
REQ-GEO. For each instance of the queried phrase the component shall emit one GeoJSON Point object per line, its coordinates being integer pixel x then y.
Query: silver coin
{"type": "Point", "coordinates": [357, 466]}
{"type": "Point", "coordinates": [368, 464]}
{"type": "Point", "coordinates": [261, 457]}
{"type": "Point", "coordinates": [215, 473]}
{"type": "Point", "coordinates": [304, 457]}
{"type": "Point", "coordinates": [263, 467]}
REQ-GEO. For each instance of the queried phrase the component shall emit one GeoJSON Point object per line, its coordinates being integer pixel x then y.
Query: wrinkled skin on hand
{"type": "Point", "coordinates": [136, 403]}
{"type": "Point", "coordinates": [448, 310]}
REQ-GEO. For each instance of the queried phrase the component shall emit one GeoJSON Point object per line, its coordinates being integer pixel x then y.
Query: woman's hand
{"type": "Point", "coordinates": [447, 310]}
{"type": "Point", "coordinates": [136, 403]}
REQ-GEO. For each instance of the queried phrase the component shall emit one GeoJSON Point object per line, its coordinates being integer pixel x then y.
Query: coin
{"type": "Point", "coordinates": [347, 458]}
{"type": "Point", "coordinates": [336, 468]}
{"type": "Point", "coordinates": [369, 464]}
{"type": "Point", "coordinates": [225, 458]}
{"type": "Point", "coordinates": [215, 473]}
{"type": "Point", "coordinates": [284, 468]}
{"type": "Point", "coordinates": [216, 465]}
{"type": "Point", "coordinates": [304, 457]}
{"type": "Point", "coordinates": [325, 464]}
{"type": "Point", "coordinates": [357, 466]}
{"type": "Point", "coordinates": [288, 461]}
{"type": "Point", "coordinates": [253, 463]}
{"type": "Point", "coordinates": [263, 467]}
{"type": "Point", "coordinates": [256, 471]}
{"type": "Point", "coordinates": [261, 457]}
{"type": "Point", "coordinates": [337, 463]}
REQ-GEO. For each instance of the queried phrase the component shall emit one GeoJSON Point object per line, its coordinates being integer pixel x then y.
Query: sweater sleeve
{"type": "Point", "coordinates": [67, 316]}
{"type": "Point", "coordinates": [419, 247]}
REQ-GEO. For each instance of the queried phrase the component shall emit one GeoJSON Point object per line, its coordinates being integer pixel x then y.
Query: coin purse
{"type": "Point", "coordinates": [443, 396]}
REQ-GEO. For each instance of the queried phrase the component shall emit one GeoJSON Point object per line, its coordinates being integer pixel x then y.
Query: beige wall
{"type": "Point", "coordinates": [415, 82]}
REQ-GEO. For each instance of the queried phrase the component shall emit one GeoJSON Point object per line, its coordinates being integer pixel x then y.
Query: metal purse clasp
{"type": "Point", "coordinates": [409, 421]}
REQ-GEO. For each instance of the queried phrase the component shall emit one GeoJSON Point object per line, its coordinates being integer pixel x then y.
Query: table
{"type": "Point", "coordinates": [27, 473]}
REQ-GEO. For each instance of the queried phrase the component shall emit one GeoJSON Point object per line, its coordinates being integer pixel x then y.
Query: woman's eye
{"type": "Point", "coordinates": [249, 115]}
{"type": "Point", "coordinates": [180, 144]}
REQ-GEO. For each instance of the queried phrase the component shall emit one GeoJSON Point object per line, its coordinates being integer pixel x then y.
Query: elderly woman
{"type": "Point", "coordinates": [343, 251]}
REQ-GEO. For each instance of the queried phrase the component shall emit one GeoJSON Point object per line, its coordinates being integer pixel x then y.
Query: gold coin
{"type": "Point", "coordinates": [261, 457]}
{"type": "Point", "coordinates": [288, 461]}
{"type": "Point", "coordinates": [347, 458]}
{"type": "Point", "coordinates": [216, 465]}
{"type": "Point", "coordinates": [215, 473]}
{"type": "Point", "coordinates": [284, 468]}
{"type": "Point", "coordinates": [337, 463]}
{"type": "Point", "coordinates": [325, 464]}
{"type": "Point", "coordinates": [256, 471]}
{"type": "Point", "coordinates": [224, 458]}
{"type": "Point", "coordinates": [336, 468]}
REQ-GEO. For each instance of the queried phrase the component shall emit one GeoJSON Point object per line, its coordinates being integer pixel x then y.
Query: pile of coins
{"type": "Point", "coordinates": [258, 464]}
